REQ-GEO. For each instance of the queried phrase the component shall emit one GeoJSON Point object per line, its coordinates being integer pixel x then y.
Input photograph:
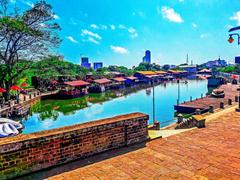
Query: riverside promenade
{"type": "Point", "coordinates": [208, 153]}
{"type": "Point", "coordinates": [203, 103]}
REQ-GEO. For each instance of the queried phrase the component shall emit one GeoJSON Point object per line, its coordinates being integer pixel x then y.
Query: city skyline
{"type": "Point", "coordinates": [169, 29]}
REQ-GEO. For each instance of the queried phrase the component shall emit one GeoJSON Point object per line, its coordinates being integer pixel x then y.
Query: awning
{"type": "Point", "coordinates": [119, 79]}
{"type": "Point", "coordinates": [76, 83]}
{"type": "Point", "coordinates": [102, 81]}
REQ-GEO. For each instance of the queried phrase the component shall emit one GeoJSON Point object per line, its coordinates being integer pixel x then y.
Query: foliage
{"type": "Point", "coordinates": [28, 35]}
{"type": "Point", "coordinates": [147, 67]}
{"type": "Point", "coordinates": [230, 69]}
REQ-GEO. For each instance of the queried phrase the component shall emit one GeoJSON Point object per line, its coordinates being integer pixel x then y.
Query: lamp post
{"type": "Point", "coordinates": [238, 109]}
{"type": "Point", "coordinates": [156, 124]}
{"type": "Point", "coordinates": [178, 100]}
{"type": "Point", "coordinates": [231, 40]}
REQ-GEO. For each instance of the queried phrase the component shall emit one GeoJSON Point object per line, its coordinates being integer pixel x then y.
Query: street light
{"type": "Point", "coordinates": [156, 124]}
{"type": "Point", "coordinates": [238, 109]}
{"type": "Point", "coordinates": [178, 100]}
{"type": "Point", "coordinates": [231, 40]}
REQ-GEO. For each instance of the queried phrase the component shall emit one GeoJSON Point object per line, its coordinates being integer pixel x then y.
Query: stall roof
{"type": "Point", "coordinates": [161, 72]}
{"type": "Point", "coordinates": [102, 81]}
{"type": "Point", "coordinates": [119, 79]}
{"type": "Point", "coordinates": [205, 71]}
{"type": "Point", "coordinates": [131, 78]}
{"type": "Point", "coordinates": [147, 72]}
{"type": "Point", "coordinates": [77, 83]}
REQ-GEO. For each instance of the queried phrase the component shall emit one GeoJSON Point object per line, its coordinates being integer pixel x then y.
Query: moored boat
{"type": "Point", "coordinates": [218, 93]}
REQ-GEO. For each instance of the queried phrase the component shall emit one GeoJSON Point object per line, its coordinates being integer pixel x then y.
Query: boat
{"type": "Point", "coordinates": [218, 93]}
{"type": "Point", "coordinates": [7, 130]}
{"type": "Point", "coordinates": [16, 124]}
{"type": "Point", "coordinates": [148, 91]}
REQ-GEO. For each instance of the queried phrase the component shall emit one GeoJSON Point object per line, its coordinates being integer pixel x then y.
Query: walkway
{"type": "Point", "coordinates": [204, 103]}
{"type": "Point", "coordinates": [212, 152]}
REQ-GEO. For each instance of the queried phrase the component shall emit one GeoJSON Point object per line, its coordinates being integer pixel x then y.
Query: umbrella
{"type": "Point", "coordinates": [2, 90]}
{"type": "Point", "coordinates": [24, 84]}
{"type": "Point", "coordinates": [16, 88]}
{"type": "Point", "coordinates": [234, 76]}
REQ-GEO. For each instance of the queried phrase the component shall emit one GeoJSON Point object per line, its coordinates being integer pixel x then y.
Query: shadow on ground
{"type": "Point", "coordinates": [43, 174]}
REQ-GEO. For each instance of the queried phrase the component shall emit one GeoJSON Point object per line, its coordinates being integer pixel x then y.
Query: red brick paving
{"type": "Point", "coordinates": [209, 153]}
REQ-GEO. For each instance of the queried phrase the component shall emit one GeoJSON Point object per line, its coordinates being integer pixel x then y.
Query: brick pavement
{"type": "Point", "coordinates": [209, 153]}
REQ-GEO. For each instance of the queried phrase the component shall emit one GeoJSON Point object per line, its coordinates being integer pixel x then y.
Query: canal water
{"type": "Point", "coordinates": [50, 114]}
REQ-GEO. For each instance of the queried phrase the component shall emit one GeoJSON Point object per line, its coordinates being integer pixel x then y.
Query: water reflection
{"type": "Point", "coordinates": [49, 114]}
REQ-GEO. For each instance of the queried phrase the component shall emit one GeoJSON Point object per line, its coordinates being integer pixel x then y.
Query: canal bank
{"type": "Point", "coordinates": [50, 114]}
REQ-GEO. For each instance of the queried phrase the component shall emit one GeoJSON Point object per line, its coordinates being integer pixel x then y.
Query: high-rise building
{"type": "Point", "coordinates": [147, 57]}
{"type": "Point", "coordinates": [237, 59]}
{"type": "Point", "coordinates": [97, 65]}
{"type": "Point", "coordinates": [85, 62]}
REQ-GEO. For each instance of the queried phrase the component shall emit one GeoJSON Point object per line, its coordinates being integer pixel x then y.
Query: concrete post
{"type": "Point", "coordinates": [221, 105]}
{"type": "Point", "coordinates": [198, 111]}
{"type": "Point", "coordinates": [236, 98]}
{"type": "Point", "coordinates": [179, 118]}
{"type": "Point", "coordinates": [229, 101]}
{"type": "Point", "coordinates": [211, 109]}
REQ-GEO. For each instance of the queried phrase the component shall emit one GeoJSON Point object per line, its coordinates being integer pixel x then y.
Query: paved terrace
{"type": "Point", "coordinates": [209, 153]}
{"type": "Point", "coordinates": [203, 103]}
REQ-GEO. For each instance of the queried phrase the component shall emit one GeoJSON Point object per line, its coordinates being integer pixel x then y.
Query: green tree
{"type": "Point", "coordinates": [28, 35]}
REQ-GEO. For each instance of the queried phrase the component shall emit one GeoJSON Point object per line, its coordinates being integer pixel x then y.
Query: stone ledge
{"type": "Point", "coordinates": [68, 129]}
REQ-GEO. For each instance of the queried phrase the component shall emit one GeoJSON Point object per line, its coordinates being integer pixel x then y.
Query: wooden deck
{"type": "Point", "coordinates": [204, 103]}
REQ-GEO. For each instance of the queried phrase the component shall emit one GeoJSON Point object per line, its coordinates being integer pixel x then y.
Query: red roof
{"type": "Point", "coordinates": [119, 79]}
{"type": "Point", "coordinates": [77, 83]}
{"type": "Point", "coordinates": [102, 81]}
{"type": "Point", "coordinates": [131, 78]}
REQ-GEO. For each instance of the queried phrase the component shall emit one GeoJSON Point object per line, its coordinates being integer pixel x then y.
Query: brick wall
{"type": "Point", "coordinates": [27, 153]}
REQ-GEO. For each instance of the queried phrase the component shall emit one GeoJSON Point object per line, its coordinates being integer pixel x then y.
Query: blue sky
{"type": "Point", "coordinates": [118, 32]}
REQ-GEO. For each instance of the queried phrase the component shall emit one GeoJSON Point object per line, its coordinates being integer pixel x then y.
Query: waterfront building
{"type": "Point", "coordinates": [119, 82]}
{"type": "Point", "coordinates": [85, 62]}
{"type": "Point", "coordinates": [131, 80]}
{"type": "Point", "coordinates": [147, 57]}
{"type": "Point", "coordinates": [73, 89]}
{"type": "Point", "coordinates": [100, 85]}
{"type": "Point", "coordinates": [191, 69]}
{"type": "Point", "coordinates": [215, 63]}
{"type": "Point", "coordinates": [146, 76]}
{"type": "Point", "coordinates": [97, 65]}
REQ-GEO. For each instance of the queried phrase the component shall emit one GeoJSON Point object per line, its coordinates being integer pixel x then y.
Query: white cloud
{"type": "Point", "coordinates": [133, 32]}
{"type": "Point", "coordinates": [236, 17]}
{"type": "Point", "coordinates": [119, 49]}
{"type": "Point", "coordinates": [112, 27]}
{"type": "Point", "coordinates": [94, 26]}
{"type": "Point", "coordinates": [12, 1]}
{"type": "Point", "coordinates": [70, 38]}
{"type": "Point", "coordinates": [55, 16]}
{"type": "Point", "coordinates": [121, 26]}
{"type": "Point", "coordinates": [170, 14]}
{"type": "Point", "coordinates": [86, 32]}
{"type": "Point", "coordinates": [194, 25]}
{"type": "Point", "coordinates": [91, 39]}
